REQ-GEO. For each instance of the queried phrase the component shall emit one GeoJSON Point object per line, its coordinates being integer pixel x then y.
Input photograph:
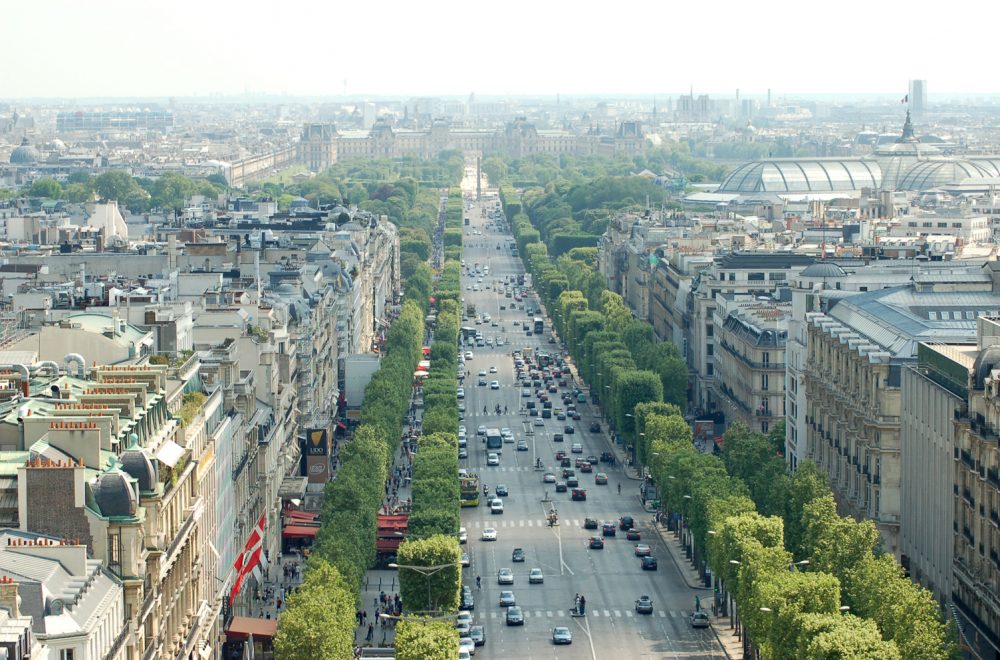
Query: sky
{"type": "Point", "coordinates": [114, 48]}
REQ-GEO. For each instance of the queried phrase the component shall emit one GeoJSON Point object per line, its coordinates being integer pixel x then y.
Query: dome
{"type": "Point", "coordinates": [823, 269]}
{"type": "Point", "coordinates": [137, 465]}
{"type": "Point", "coordinates": [24, 154]}
{"type": "Point", "coordinates": [928, 174]}
{"type": "Point", "coordinates": [790, 175]}
{"type": "Point", "coordinates": [114, 495]}
{"type": "Point", "coordinates": [56, 145]}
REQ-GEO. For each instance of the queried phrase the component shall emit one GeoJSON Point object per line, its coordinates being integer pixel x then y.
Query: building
{"type": "Point", "coordinates": [749, 355]}
{"type": "Point", "coordinates": [115, 121]}
{"type": "Point", "coordinates": [917, 97]}
{"type": "Point", "coordinates": [856, 352]}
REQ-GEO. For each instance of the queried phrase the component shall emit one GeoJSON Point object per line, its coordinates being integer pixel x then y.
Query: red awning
{"type": "Point", "coordinates": [299, 531]}
{"type": "Point", "coordinates": [341, 426]}
{"type": "Point", "coordinates": [244, 626]}
{"type": "Point", "coordinates": [301, 515]}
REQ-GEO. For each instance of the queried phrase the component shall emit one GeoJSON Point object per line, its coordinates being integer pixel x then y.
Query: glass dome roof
{"type": "Point", "coordinates": [793, 175]}
{"type": "Point", "coordinates": [928, 174]}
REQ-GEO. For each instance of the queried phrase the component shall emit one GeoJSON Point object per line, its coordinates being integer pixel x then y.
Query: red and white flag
{"type": "Point", "coordinates": [251, 560]}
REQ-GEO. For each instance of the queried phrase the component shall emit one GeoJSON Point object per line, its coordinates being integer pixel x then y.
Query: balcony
{"type": "Point", "coordinates": [966, 457]}
{"type": "Point", "coordinates": [968, 497]}
{"type": "Point", "coordinates": [993, 477]}
{"type": "Point", "coordinates": [772, 366]}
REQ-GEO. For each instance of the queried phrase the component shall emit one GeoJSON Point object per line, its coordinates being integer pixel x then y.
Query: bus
{"type": "Point", "coordinates": [539, 325]}
{"type": "Point", "coordinates": [494, 441]}
{"type": "Point", "coordinates": [469, 490]}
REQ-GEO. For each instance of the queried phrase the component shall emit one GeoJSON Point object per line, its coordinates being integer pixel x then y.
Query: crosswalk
{"type": "Point", "coordinates": [597, 613]}
{"type": "Point", "coordinates": [498, 522]}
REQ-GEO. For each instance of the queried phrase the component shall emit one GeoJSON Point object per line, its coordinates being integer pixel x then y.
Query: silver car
{"type": "Point", "coordinates": [505, 576]}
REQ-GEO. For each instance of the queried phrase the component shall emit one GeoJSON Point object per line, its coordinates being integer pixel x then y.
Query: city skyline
{"type": "Point", "coordinates": [119, 50]}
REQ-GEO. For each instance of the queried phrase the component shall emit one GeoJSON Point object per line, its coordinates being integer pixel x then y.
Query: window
{"type": "Point", "coordinates": [911, 224]}
{"type": "Point", "coordinates": [710, 370]}
{"type": "Point", "coordinates": [763, 381]}
{"type": "Point", "coordinates": [766, 359]}
{"type": "Point", "coordinates": [956, 225]}
{"type": "Point", "coordinates": [777, 276]}
{"type": "Point", "coordinates": [710, 349]}
{"type": "Point", "coordinates": [942, 225]}
{"type": "Point", "coordinates": [756, 277]}
{"type": "Point", "coordinates": [709, 330]}
{"type": "Point", "coordinates": [763, 427]}
{"type": "Point", "coordinates": [66, 654]}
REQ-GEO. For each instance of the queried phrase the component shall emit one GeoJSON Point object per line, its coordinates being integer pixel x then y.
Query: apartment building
{"type": "Point", "coordinates": [749, 355]}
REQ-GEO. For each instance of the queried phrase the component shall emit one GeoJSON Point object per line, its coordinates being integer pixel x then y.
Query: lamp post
{"type": "Point", "coordinates": [734, 621]}
{"type": "Point", "coordinates": [427, 572]}
{"type": "Point", "coordinates": [687, 537]}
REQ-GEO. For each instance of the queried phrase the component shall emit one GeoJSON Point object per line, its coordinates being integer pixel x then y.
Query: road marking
{"type": "Point", "coordinates": [663, 614]}
{"type": "Point", "coordinates": [628, 613]}
{"type": "Point", "coordinates": [560, 614]}
{"type": "Point", "coordinates": [607, 613]}
{"type": "Point", "coordinates": [538, 614]}
{"type": "Point", "coordinates": [548, 613]}
{"type": "Point", "coordinates": [493, 615]}
{"type": "Point", "coordinates": [618, 613]}
{"type": "Point", "coordinates": [520, 523]}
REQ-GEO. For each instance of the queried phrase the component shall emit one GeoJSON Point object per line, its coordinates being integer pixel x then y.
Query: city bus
{"type": "Point", "coordinates": [469, 490]}
{"type": "Point", "coordinates": [539, 325]}
{"type": "Point", "coordinates": [494, 441]}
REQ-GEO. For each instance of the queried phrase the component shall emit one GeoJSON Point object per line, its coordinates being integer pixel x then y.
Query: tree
{"type": "Point", "coordinates": [172, 190]}
{"type": "Point", "coordinates": [837, 637]}
{"type": "Point", "coordinates": [832, 543]}
{"type": "Point", "coordinates": [49, 188]}
{"type": "Point", "coordinates": [77, 193]}
{"type": "Point", "coordinates": [439, 591]}
{"type": "Point", "coordinates": [218, 179]}
{"type": "Point", "coordinates": [115, 185]}
{"type": "Point", "coordinates": [425, 640]}
{"type": "Point", "coordinates": [633, 388]}
{"type": "Point", "coordinates": [319, 620]}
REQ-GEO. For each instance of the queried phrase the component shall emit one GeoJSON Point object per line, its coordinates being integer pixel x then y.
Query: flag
{"type": "Point", "coordinates": [250, 560]}
{"type": "Point", "coordinates": [905, 99]}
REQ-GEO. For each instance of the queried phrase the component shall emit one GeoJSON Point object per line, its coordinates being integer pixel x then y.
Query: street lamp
{"type": "Point", "coordinates": [804, 562]}
{"type": "Point", "coordinates": [845, 608]}
{"type": "Point", "coordinates": [427, 572]}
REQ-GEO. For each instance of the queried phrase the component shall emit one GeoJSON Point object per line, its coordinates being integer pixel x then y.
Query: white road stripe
{"type": "Point", "coordinates": [527, 614]}
{"type": "Point", "coordinates": [597, 612]}
{"type": "Point", "coordinates": [560, 614]}
{"type": "Point", "coordinates": [663, 614]}
{"type": "Point", "coordinates": [520, 523]}
{"type": "Point", "coordinates": [618, 613]}
{"type": "Point", "coordinates": [628, 613]}
{"type": "Point", "coordinates": [607, 613]}
{"type": "Point", "coordinates": [538, 613]}
{"type": "Point", "coordinates": [493, 615]}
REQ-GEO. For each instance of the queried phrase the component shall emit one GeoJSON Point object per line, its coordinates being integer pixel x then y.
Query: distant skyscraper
{"type": "Point", "coordinates": [918, 96]}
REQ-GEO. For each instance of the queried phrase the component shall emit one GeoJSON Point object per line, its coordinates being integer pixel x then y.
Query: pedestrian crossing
{"type": "Point", "coordinates": [628, 613]}
{"type": "Point", "coordinates": [499, 522]}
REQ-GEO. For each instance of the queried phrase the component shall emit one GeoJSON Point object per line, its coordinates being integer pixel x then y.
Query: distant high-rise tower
{"type": "Point", "coordinates": [918, 96]}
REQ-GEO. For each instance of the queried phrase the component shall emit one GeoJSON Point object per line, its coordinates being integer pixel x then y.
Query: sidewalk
{"type": "Point", "coordinates": [721, 625]}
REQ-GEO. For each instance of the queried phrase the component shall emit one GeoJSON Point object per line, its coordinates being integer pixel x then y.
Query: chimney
{"type": "Point", "coordinates": [9, 598]}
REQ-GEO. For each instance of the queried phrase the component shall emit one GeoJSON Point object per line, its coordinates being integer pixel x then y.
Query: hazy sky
{"type": "Point", "coordinates": [87, 48]}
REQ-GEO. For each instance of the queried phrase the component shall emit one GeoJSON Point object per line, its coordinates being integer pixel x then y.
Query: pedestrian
{"type": "Point", "coordinates": [371, 632]}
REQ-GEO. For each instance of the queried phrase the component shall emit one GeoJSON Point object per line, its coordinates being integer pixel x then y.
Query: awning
{"type": "Point", "coordinates": [424, 364]}
{"type": "Point", "coordinates": [169, 453]}
{"type": "Point", "coordinates": [301, 515]}
{"type": "Point", "coordinates": [244, 626]}
{"type": "Point", "coordinates": [299, 532]}
{"type": "Point", "coordinates": [341, 425]}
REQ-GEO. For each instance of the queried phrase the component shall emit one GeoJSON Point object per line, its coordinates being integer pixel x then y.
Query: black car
{"type": "Point", "coordinates": [501, 490]}
{"type": "Point", "coordinates": [608, 529]}
{"type": "Point", "coordinates": [589, 523]}
{"type": "Point", "coordinates": [517, 555]}
{"type": "Point", "coordinates": [596, 543]}
{"type": "Point", "coordinates": [515, 617]}
{"type": "Point", "coordinates": [557, 437]}
{"type": "Point", "coordinates": [569, 429]}
{"type": "Point", "coordinates": [595, 427]}
{"type": "Point", "coordinates": [468, 602]}
{"type": "Point", "coordinates": [648, 563]}
{"type": "Point", "coordinates": [560, 486]}
{"type": "Point", "coordinates": [626, 523]}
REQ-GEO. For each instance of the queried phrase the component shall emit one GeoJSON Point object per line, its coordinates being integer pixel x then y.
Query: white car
{"type": "Point", "coordinates": [464, 655]}
{"type": "Point", "coordinates": [494, 384]}
{"type": "Point", "coordinates": [539, 422]}
{"type": "Point", "coordinates": [468, 355]}
{"type": "Point", "coordinates": [526, 392]}
{"type": "Point", "coordinates": [535, 576]}
{"type": "Point", "coordinates": [496, 506]}
{"type": "Point", "coordinates": [461, 392]}
{"type": "Point", "coordinates": [466, 644]}
{"type": "Point", "coordinates": [492, 458]}
{"type": "Point", "coordinates": [481, 430]}
{"type": "Point", "coordinates": [461, 431]}
{"type": "Point", "coordinates": [482, 373]}
{"type": "Point", "coordinates": [493, 370]}
{"type": "Point", "coordinates": [463, 535]}
{"type": "Point", "coordinates": [505, 576]}
{"type": "Point", "coordinates": [489, 534]}
{"type": "Point", "coordinates": [465, 616]}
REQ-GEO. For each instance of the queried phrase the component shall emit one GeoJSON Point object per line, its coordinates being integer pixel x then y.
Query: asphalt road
{"type": "Point", "coordinates": [611, 579]}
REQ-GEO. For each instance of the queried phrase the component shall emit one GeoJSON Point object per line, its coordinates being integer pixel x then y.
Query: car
{"type": "Point", "coordinates": [461, 406]}
{"type": "Point", "coordinates": [535, 576]}
{"type": "Point", "coordinates": [579, 495]}
{"type": "Point", "coordinates": [517, 555]}
{"type": "Point", "coordinates": [462, 431]}
{"type": "Point", "coordinates": [699, 619]}
{"type": "Point", "coordinates": [463, 452]}
{"type": "Point", "coordinates": [507, 434]}
{"type": "Point", "coordinates": [585, 466]}
{"type": "Point", "coordinates": [466, 644]}
{"type": "Point", "coordinates": [505, 576]}
{"type": "Point", "coordinates": [525, 392]}
{"type": "Point", "coordinates": [577, 448]}
{"type": "Point", "coordinates": [464, 655]}
{"type": "Point", "coordinates": [522, 445]}
{"type": "Point", "coordinates": [596, 543]}
{"type": "Point", "coordinates": [493, 458]}
{"type": "Point", "coordinates": [557, 437]}
{"type": "Point", "coordinates": [626, 522]}
{"type": "Point", "coordinates": [494, 384]}
{"type": "Point", "coordinates": [608, 529]}
{"type": "Point", "coordinates": [501, 490]}
{"type": "Point", "coordinates": [561, 454]}
{"type": "Point", "coordinates": [575, 416]}
{"type": "Point", "coordinates": [507, 598]}
{"type": "Point", "coordinates": [561, 635]}
{"type": "Point", "coordinates": [601, 479]}
{"type": "Point", "coordinates": [572, 482]}
{"type": "Point", "coordinates": [569, 429]}
{"type": "Point", "coordinates": [648, 563]}
{"type": "Point", "coordinates": [493, 370]}
{"type": "Point", "coordinates": [461, 393]}
{"type": "Point", "coordinates": [515, 617]}
{"type": "Point", "coordinates": [481, 382]}
{"type": "Point", "coordinates": [468, 355]}
{"type": "Point", "coordinates": [489, 534]}
{"type": "Point", "coordinates": [595, 427]}
{"type": "Point", "coordinates": [482, 373]}
{"type": "Point", "coordinates": [466, 562]}
{"type": "Point", "coordinates": [561, 417]}
{"type": "Point", "coordinates": [560, 486]}
{"type": "Point", "coordinates": [644, 605]}
{"type": "Point", "coordinates": [463, 617]}
{"type": "Point", "coordinates": [549, 478]}
{"type": "Point", "coordinates": [589, 523]}
{"type": "Point", "coordinates": [496, 506]}
{"type": "Point", "coordinates": [593, 460]}
{"type": "Point", "coordinates": [568, 472]}
{"type": "Point", "coordinates": [478, 635]}
{"type": "Point", "coordinates": [643, 550]}
{"type": "Point", "coordinates": [468, 602]}
{"type": "Point", "coordinates": [481, 430]}
{"type": "Point", "coordinates": [539, 422]}
{"type": "Point", "coordinates": [633, 534]}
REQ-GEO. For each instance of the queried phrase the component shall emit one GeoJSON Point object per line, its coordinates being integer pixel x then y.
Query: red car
{"type": "Point", "coordinates": [585, 466]}
{"type": "Point", "coordinates": [560, 455]}
{"type": "Point", "coordinates": [643, 550]}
